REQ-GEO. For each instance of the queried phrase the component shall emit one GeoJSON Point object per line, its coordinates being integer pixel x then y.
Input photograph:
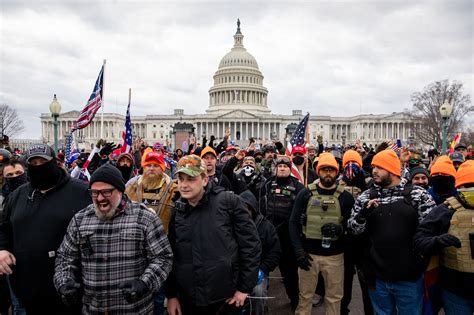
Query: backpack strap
{"type": "Point", "coordinates": [407, 189]}
{"type": "Point", "coordinates": [454, 204]}
{"type": "Point", "coordinates": [339, 190]}
{"type": "Point", "coordinates": [373, 193]}
{"type": "Point", "coordinates": [165, 192]}
{"type": "Point", "coordinates": [312, 187]}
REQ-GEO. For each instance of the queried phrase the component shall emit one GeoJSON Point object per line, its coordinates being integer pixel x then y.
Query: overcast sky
{"type": "Point", "coordinates": [336, 58]}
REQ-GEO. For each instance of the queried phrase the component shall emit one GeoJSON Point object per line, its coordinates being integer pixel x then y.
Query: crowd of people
{"type": "Point", "coordinates": [199, 232]}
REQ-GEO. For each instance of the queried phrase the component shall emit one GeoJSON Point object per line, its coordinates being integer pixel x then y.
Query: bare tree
{"type": "Point", "coordinates": [468, 136]}
{"type": "Point", "coordinates": [426, 110]}
{"type": "Point", "coordinates": [10, 123]}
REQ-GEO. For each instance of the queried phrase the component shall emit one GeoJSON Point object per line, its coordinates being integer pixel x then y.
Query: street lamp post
{"type": "Point", "coordinates": [445, 110]}
{"type": "Point", "coordinates": [55, 109]}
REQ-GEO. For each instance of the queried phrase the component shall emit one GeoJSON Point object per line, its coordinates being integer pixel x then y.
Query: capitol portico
{"type": "Point", "coordinates": [238, 101]}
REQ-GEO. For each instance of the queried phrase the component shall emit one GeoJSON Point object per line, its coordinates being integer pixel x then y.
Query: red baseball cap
{"type": "Point", "coordinates": [298, 149]}
{"type": "Point", "coordinates": [230, 148]}
{"type": "Point", "coordinates": [154, 157]}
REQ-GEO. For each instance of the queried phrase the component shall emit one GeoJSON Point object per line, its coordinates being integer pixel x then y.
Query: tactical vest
{"type": "Point", "coordinates": [322, 209]}
{"type": "Point", "coordinates": [154, 200]}
{"type": "Point", "coordinates": [353, 190]}
{"type": "Point", "coordinates": [280, 202]}
{"type": "Point", "coordinates": [462, 223]}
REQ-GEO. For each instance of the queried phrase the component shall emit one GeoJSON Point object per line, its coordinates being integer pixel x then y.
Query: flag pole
{"type": "Point", "coordinates": [102, 99]}
{"type": "Point", "coordinates": [307, 157]}
{"type": "Point", "coordinates": [129, 102]}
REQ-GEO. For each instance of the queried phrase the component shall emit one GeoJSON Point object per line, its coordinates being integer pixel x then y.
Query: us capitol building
{"type": "Point", "coordinates": [238, 100]}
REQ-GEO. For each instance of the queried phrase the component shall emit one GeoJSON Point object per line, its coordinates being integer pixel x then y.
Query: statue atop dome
{"type": "Point", "coordinates": [238, 26]}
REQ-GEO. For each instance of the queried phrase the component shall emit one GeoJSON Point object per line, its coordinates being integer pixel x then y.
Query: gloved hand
{"type": "Point", "coordinates": [365, 212]}
{"type": "Point", "coordinates": [303, 218]}
{"type": "Point", "coordinates": [447, 240]}
{"type": "Point", "coordinates": [261, 276]}
{"type": "Point", "coordinates": [331, 230]}
{"type": "Point", "coordinates": [69, 292]}
{"type": "Point", "coordinates": [107, 148]}
{"type": "Point", "coordinates": [133, 290]}
{"type": "Point", "coordinates": [212, 138]}
{"type": "Point", "coordinates": [303, 260]}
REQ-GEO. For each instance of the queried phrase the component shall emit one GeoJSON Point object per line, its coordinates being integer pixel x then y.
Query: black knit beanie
{"type": "Point", "coordinates": [418, 170]}
{"type": "Point", "coordinates": [108, 174]}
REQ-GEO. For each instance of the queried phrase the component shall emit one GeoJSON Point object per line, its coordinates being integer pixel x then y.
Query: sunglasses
{"type": "Point", "coordinates": [328, 170]}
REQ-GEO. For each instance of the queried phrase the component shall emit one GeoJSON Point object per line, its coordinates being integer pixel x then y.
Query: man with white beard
{"type": "Point", "coordinates": [115, 249]}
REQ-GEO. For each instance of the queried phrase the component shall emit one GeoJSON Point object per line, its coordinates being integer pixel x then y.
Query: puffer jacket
{"type": "Point", "coordinates": [216, 249]}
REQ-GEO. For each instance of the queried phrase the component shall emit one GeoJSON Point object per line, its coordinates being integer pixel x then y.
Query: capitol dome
{"type": "Point", "coordinates": [238, 57]}
{"type": "Point", "coordinates": [238, 82]}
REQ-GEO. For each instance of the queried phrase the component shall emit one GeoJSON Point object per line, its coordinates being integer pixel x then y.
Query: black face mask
{"type": "Point", "coordinates": [15, 182]}
{"type": "Point", "coordinates": [258, 160]}
{"type": "Point", "coordinates": [442, 185]}
{"type": "Point", "coordinates": [44, 176]}
{"type": "Point", "coordinates": [126, 171]}
{"type": "Point", "coordinates": [298, 160]}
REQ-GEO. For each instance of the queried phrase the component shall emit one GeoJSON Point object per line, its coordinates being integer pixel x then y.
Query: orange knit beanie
{"type": "Point", "coordinates": [465, 173]}
{"type": "Point", "coordinates": [443, 166]}
{"type": "Point", "coordinates": [388, 160]}
{"type": "Point", "coordinates": [327, 159]}
{"type": "Point", "coordinates": [351, 156]}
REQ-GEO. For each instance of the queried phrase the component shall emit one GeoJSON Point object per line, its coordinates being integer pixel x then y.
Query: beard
{"type": "Point", "coordinates": [151, 181]}
{"type": "Point", "coordinates": [106, 216]}
{"type": "Point", "coordinates": [384, 181]}
{"type": "Point", "coordinates": [327, 181]}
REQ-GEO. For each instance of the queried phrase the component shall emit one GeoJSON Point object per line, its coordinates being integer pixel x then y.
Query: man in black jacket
{"type": "Point", "coordinates": [215, 244]}
{"type": "Point", "coordinates": [34, 223]}
{"type": "Point", "coordinates": [276, 203]}
{"type": "Point", "coordinates": [248, 176]}
{"type": "Point", "coordinates": [270, 256]}
{"type": "Point", "coordinates": [448, 231]}
{"type": "Point", "coordinates": [390, 212]}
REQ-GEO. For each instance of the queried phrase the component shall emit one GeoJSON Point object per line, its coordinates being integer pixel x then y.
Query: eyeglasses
{"type": "Point", "coordinates": [328, 170]}
{"type": "Point", "coordinates": [104, 192]}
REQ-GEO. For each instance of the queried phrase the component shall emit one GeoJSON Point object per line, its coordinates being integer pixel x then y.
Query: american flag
{"type": "Point", "coordinates": [298, 138]}
{"type": "Point", "coordinates": [70, 147]}
{"type": "Point", "coordinates": [396, 147]}
{"type": "Point", "coordinates": [93, 104]}
{"type": "Point", "coordinates": [127, 136]}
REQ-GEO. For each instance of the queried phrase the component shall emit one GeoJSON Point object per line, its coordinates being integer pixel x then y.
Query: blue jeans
{"type": "Point", "coordinates": [259, 293]}
{"type": "Point", "coordinates": [454, 304]}
{"type": "Point", "coordinates": [399, 297]}
{"type": "Point", "coordinates": [159, 301]}
{"type": "Point", "coordinates": [17, 308]}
